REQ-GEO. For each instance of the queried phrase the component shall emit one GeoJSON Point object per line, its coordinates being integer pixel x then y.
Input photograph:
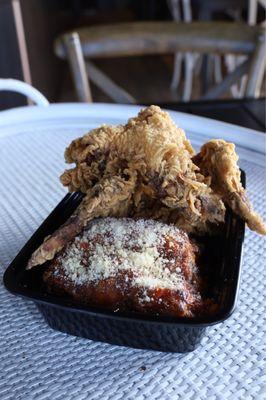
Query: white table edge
{"type": "Point", "coordinates": [245, 137]}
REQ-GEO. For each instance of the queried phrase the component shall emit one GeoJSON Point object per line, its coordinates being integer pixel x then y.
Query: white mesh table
{"type": "Point", "coordinates": [39, 363]}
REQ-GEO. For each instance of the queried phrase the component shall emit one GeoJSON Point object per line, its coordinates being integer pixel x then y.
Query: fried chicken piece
{"type": "Point", "coordinates": [166, 185]}
{"type": "Point", "coordinates": [154, 148]}
{"type": "Point", "coordinates": [217, 159]}
{"type": "Point", "coordinates": [154, 160]}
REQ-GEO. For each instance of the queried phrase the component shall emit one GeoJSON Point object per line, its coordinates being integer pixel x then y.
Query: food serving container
{"type": "Point", "coordinates": [134, 330]}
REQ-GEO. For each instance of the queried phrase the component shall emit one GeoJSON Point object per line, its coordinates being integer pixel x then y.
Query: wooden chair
{"type": "Point", "coordinates": [211, 65]}
{"type": "Point", "coordinates": [142, 38]}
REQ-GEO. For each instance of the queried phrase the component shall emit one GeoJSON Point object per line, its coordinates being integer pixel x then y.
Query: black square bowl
{"type": "Point", "coordinates": [133, 330]}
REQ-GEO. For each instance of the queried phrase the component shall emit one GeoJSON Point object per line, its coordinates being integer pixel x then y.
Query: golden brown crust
{"type": "Point", "coordinates": [218, 160]}
{"type": "Point", "coordinates": [147, 168]}
{"type": "Point", "coordinates": [155, 150]}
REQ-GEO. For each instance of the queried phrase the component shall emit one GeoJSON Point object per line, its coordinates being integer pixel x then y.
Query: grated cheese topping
{"type": "Point", "coordinates": [134, 247]}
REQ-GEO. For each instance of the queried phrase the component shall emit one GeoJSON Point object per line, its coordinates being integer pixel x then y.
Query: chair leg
{"type": "Point", "coordinates": [174, 6]}
{"type": "Point", "coordinates": [177, 71]}
{"type": "Point", "coordinates": [189, 57]}
{"type": "Point", "coordinates": [231, 64]}
{"type": "Point", "coordinates": [252, 12]}
{"type": "Point", "coordinates": [78, 67]}
{"type": "Point", "coordinates": [257, 68]}
{"type": "Point", "coordinates": [189, 65]}
{"type": "Point", "coordinates": [218, 76]}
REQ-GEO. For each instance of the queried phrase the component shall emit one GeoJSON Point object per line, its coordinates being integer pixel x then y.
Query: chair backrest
{"type": "Point", "coordinates": [142, 38]}
{"type": "Point", "coordinates": [14, 85]}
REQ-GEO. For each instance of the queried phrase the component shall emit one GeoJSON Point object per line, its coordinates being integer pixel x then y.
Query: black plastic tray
{"type": "Point", "coordinates": [134, 330]}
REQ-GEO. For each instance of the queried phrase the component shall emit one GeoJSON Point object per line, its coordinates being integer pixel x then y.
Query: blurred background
{"type": "Point", "coordinates": [129, 51]}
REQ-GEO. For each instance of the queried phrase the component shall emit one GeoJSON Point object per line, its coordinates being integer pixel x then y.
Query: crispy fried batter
{"type": "Point", "coordinates": [111, 197]}
{"type": "Point", "coordinates": [153, 148]}
{"type": "Point", "coordinates": [218, 160]}
{"type": "Point", "coordinates": [142, 169]}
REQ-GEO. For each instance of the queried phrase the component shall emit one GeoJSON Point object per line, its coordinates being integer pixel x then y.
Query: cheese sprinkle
{"type": "Point", "coordinates": [136, 248]}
